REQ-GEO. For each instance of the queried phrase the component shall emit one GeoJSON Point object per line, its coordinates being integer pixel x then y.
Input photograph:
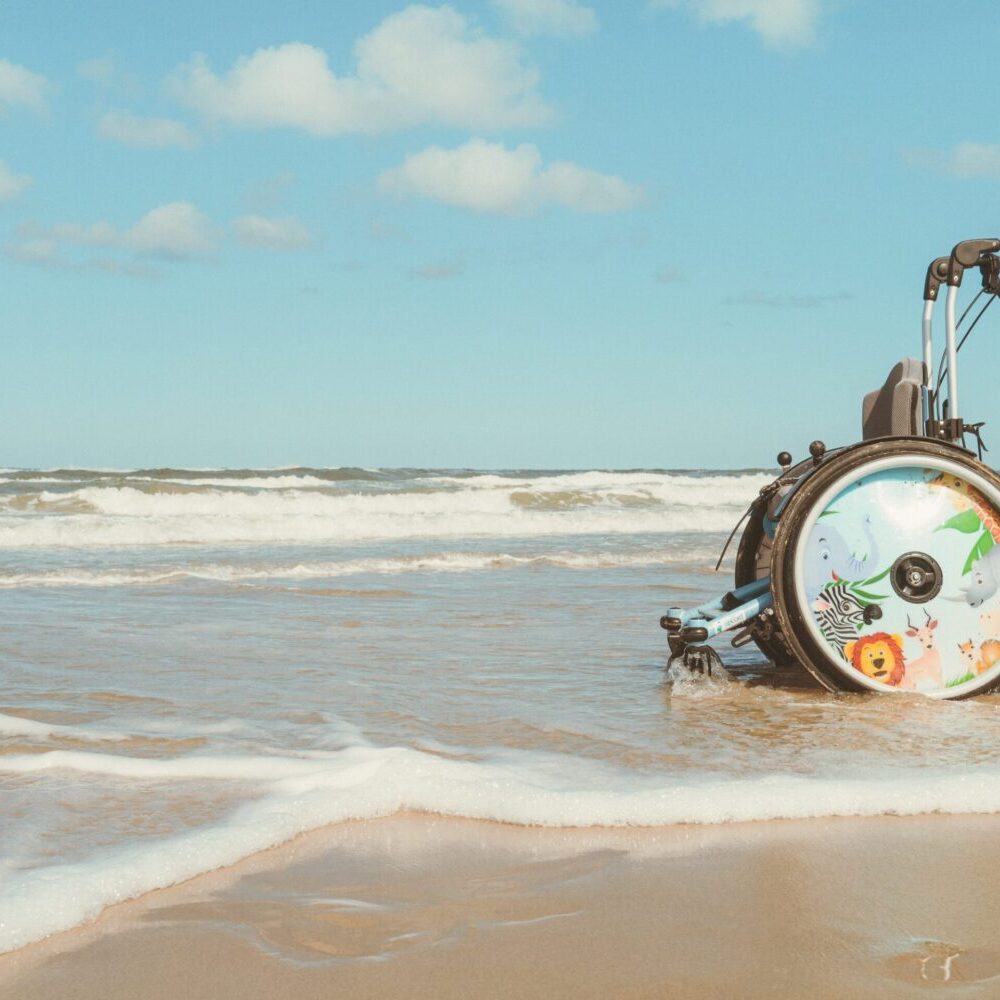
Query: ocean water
{"type": "Point", "coordinates": [199, 664]}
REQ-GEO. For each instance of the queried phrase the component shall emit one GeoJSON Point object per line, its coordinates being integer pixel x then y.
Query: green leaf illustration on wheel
{"type": "Point", "coordinates": [968, 521]}
{"type": "Point", "coordinates": [983, 545]}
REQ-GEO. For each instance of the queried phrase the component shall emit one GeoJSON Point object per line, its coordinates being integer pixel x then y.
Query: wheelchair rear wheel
{"type": "Point", "coordinates": [886, 573]}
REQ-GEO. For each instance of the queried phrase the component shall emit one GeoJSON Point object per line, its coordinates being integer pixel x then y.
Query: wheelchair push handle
{"type": "Point", "coordinates": [968, 253]}
{"type": "Point", "coordinates": [980, 253]}
{"type": "Point", "coordinates": [937, 271]}
{"type": "Point", "coordinates": [950, 269]}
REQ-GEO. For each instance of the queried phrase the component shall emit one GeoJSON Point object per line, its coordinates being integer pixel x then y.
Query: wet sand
{"type": "Point", "coordinates": [422, 906]}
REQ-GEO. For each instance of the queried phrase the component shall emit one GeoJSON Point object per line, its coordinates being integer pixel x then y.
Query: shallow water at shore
{"type": "Point", "coordinates": [199, 665]}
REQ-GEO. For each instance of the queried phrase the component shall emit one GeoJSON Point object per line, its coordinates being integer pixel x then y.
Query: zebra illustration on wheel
{"type": "Point", "coordinates": [840, 615]}
{"type": "Point", "coordinates": [876, 566]}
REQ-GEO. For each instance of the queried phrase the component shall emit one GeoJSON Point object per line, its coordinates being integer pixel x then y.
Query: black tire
{"type": "Point", "coordinates": [749, 561]}
{"type": "Point", "coordinates": [802, 643]}
{"type": "Point", "coordinates": [753, 559]}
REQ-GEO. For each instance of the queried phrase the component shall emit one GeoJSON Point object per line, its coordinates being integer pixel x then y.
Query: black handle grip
{"type": "Point", "coordinates": [967, 254]}
{"type": "Point", "coordinates": [937, 271]}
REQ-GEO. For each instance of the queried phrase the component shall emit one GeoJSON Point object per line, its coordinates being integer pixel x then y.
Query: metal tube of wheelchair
{"type": "Point", "coordinates": [927, 330]}
{"type": "Point", "coordinates": [741, 615]}
{"type": "Point", "coordinates": [952, 353]}
{"type": "Point", "coordinates": [744, 593]}
{"type": "Point", "coordinates": [708, 610]}
{"type": "Point", "coordinates": [937, 271]}
{"type": "Point", "coordinates": [679, 618]}
{"type": "Point", "coordinates": [731, 599]}
{"type": "Point", "coordinates": [709, 628]}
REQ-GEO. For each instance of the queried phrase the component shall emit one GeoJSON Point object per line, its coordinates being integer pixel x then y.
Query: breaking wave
{"type": "Point", "coordinates": [443, 562]}
{"type": "Point", "coordinates": [305, 506]}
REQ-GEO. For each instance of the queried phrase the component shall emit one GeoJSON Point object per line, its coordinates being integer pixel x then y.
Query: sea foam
{"type": "Point", "coordinates": [14, 725]}
{"type": "Point", "coordinates": [442, 562]}
{"type": "Point", "coordinates": [434, 507]}
{"type": "Point", "coordinates": [297, 794]}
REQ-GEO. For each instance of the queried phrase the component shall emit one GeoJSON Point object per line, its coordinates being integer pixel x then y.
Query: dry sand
{"type": "Point", "coordinates": [419, 906]}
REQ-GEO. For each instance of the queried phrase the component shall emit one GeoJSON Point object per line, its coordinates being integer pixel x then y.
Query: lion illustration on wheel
{"type": "Point", "coordinates": [878, 656]}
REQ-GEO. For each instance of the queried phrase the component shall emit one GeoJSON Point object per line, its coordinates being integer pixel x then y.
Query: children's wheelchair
{"type": "Point", "coordinates": [876, 566]}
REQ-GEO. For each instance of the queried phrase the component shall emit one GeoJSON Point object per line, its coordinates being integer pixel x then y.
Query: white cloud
{"type": "Point", "coordinates": [286, 233]}
{"type": "Point", "coordinates": [20, 88]}
{"type": "Point", "coordinates": [176, 231]}
{"type": "Point", "coordinates": [151, 133]}
{"type": "Point", "coordinates": [564, 18]}
{"type": "Point", "coordinates": [488, 177]}
{"type": "Point", "coordinates": [11, 184]}
{"type": "Point", "coordinates": [421, 66]}
{"type": "Point", "coordinates": [780, 23]}
{"type": "Point", "coordinates": [967, 160]}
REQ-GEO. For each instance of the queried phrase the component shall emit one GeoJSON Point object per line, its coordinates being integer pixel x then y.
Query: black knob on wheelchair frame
{"type": "Point", "coordinates": [817, 449]}
{"type": "Point", "coordinates": [784, 459]}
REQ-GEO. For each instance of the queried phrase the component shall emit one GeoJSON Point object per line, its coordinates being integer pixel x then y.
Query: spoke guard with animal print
{"type": "Point", "coordinates": [901, 578]}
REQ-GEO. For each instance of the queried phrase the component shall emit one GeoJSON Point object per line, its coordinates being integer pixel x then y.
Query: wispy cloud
{"type": "Point", "coordinates": [45, 251]}
{"type": "Point", "coordinates": [176, 232]}
{"type": "Point", "coordinates": [779, 23]}
{"type": "Point", "coordinates": [30, 247]}
{"type": "Point", "coordinates": [98, 70]}
{"type": "Point", "coordinates": [173, 232]}
{"type": "Point", "coordinates": [420, 66]}
{"type": "Point", "coordinates": [437, 272]}
{"type": "Point", "coordinates": [12, 185]}
{"type": "Point", "coordinates": [21, 88]}
{"type": "Point", "coordinates": [787, 301]}
{"type": "Point", "coordinates": [669, 275]}
{"type": "Point", "coordinates": [967, 160]}
{"type": "Point", "coordinates": [109, 265]}
{"type": "Point", "coordinates": [488, 177]}
{"type": "Point", "coordinates": [147, 133]}
{"type": "Point", "coordinates": [563, 18]}
{"type": "Point", "coordinates": [268, 193]}
{"type": "Point", "coordinates": [285, 233]}
{"type": "Point", "coordinates": [108, 74]}
{"type": "Point", "coordinates": [379, 229]}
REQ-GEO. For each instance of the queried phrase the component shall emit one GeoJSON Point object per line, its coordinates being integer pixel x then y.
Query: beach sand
{"type": "Point", "coordinates": [424, 906]}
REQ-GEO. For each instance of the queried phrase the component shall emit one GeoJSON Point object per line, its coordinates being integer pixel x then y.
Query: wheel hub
{"type": "Point", "coordinates": [916, 577]}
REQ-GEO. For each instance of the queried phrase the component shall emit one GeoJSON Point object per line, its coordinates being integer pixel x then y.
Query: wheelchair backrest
{"type": "Point", "coordinates": [897, 407]}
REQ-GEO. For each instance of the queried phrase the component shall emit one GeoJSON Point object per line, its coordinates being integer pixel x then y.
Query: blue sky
{"type": "Point", "coordinates": [509, 233]}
